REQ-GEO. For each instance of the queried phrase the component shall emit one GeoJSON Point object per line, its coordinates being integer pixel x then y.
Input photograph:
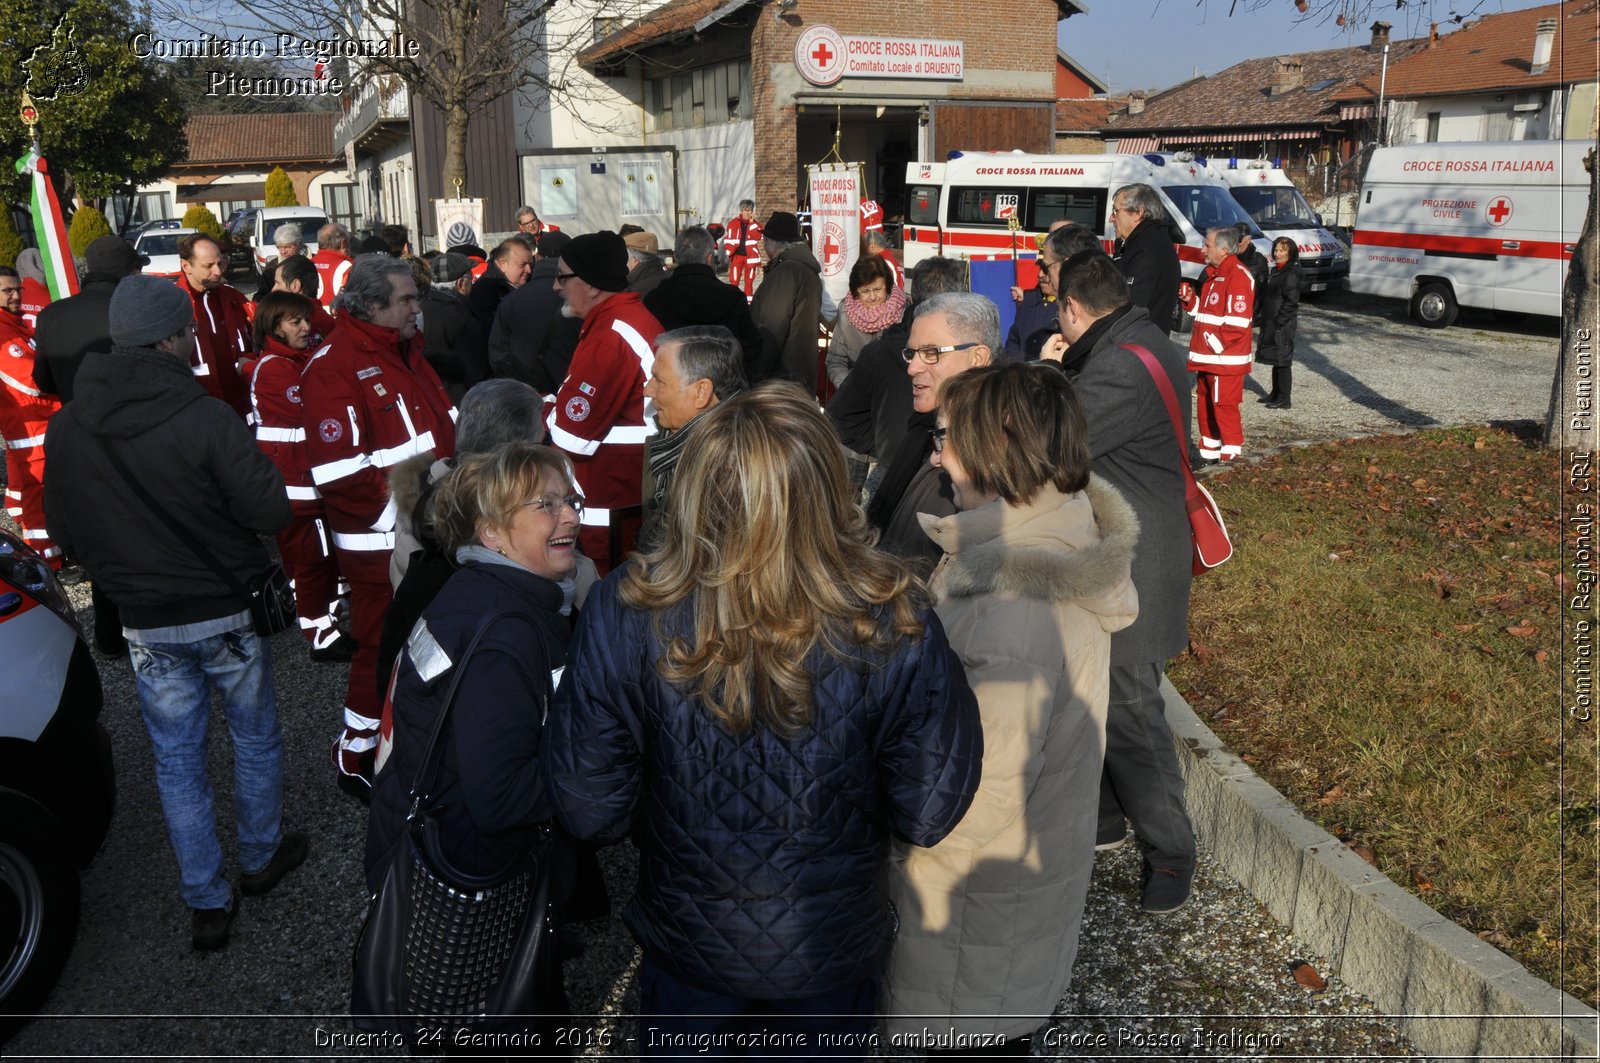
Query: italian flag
{"type": "Point", "coordinates": [49, 228]}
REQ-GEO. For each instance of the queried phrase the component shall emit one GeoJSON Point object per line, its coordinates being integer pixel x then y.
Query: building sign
{"type": "Point", "coordinates": [823, 56]}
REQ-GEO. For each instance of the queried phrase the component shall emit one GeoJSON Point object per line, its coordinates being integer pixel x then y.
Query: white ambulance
{"type": "Point", "coordinates": [1277, 207]}
{"type": "Point", "coordinates": [962, 208]}
{"type": "Point", "coordinates": [1485, 224]}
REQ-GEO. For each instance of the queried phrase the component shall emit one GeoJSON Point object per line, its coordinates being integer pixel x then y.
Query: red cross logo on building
{"type": "Point", "coordinates": [821, 54]}
{"type": "Point", "coordinates": [1499, 211]}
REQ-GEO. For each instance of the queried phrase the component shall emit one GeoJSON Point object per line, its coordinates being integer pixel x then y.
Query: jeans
{"type": "Point", "coordinates": [175, 681]}
{"type": "Point", "coordinates": [1141, 779]}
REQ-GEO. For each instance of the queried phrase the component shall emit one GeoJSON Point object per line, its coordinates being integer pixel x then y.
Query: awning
{"type": "Point", "coordinates": [1137, 145]}
{"type": "Point", "coordinates": [1240, 136]}
{"type": "Point", "coordinates": [1357, 110]}
{"type": "Point", "coordinates": [220, 193]}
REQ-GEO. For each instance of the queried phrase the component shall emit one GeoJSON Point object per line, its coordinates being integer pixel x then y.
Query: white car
{"type": "Point", "coordinates": [160, 246]}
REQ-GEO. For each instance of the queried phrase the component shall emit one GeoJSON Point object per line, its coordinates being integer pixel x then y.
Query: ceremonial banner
{"type": "Point", "coordinates": [835, 228]}
{"type": "Point", "coordinates": [460, 222]}
{"type": "Point", "coordinates": [50, 228]}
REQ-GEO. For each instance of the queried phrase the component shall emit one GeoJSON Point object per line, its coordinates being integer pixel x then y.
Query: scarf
{"type": "Point", "coordinates": [871, 320]}
{"type": "Point", "coordinates": [665, 451]}
{"type": "Point", "coordinates": [1078, 353]}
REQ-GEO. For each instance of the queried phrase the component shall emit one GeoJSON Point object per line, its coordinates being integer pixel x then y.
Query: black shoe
{"type": "Point", "coordinates": [291, 854]}
{"type": "Point", "coordinates": [341, 650]}
{"type": "Point", "coordinates": [1279, 404]}
{"type": "Point", "coordinates": [209, 926]}
{"type": "Point", "coordinates": [72, 575]}
{"type": "Point", "coordinates": [1269, 399]}
{"type": "Point", "coordinates": [1109, 838]}
{"type": "Point", "coordinates": [1165, 889]}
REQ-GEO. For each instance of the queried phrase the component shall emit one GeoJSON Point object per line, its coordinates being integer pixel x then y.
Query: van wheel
{"type": "Point", "coordinates": [1435, 305]}
{"type": "Point", "coordinates": [38, 907]}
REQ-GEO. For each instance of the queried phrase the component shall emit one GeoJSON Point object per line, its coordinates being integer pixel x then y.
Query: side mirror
{"type": "Point", "coordinates": [1318, 217]}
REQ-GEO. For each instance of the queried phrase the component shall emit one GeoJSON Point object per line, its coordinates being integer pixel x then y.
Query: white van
{"type": "Point", "coordinates": [255, 229]}
{"type": "Point", "coordinates": [1486, 224]}
{"type": "Point", "coordinates": [963, 208]}
{"type": "Point", "coordinates": [1278, 208]}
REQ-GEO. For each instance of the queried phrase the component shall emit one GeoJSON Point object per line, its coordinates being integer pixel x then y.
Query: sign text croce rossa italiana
{"type": "Point", "coordinates": [823, 56]}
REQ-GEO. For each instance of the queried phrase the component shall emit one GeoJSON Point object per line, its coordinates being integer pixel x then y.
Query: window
{"type": "Point", "coordinates": [1036, 207]}
{"type": "Point", "coordinates": [1275, 206]}
{"type": "Point", "coordinates": [339, 203]}
{"type": "Point", "coordinates": [605, 26]}
{"type": "Point", "coordinates": [1205, 206]}
{"type": "Point", "coordinates": [705, 96]}
{"type": "Point", "coordinates": [641, 187]}
{"type": "Point", "coordinates": [1432, 136]}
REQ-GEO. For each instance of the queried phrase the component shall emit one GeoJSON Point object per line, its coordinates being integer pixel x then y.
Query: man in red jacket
{"type": "Point", "coordinates": [369, 400]}
{"type": "Point", "coordinates": [1219, 348]}
{"type": "Point", "coordinates": [742, 240]}
{"type": "Point", "coordinates": [332, 260]}
{"type": "Point", "coordinates": [221, 321]}
{"type": "Point", "coordinates": [599, 417]}
{"type": "Point", "coordinates": [24, 413]}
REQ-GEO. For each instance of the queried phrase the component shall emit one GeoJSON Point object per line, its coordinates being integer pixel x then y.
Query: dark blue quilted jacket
{"type": "Point", "coordinates": [763, 861]}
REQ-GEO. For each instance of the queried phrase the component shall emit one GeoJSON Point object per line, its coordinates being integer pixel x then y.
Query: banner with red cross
{"type": "Point", "coordinates": [835, 227]}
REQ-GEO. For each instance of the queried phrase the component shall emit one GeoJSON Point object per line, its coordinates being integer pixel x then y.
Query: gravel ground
{"type": "Point", "coordinates": [1210, 981]}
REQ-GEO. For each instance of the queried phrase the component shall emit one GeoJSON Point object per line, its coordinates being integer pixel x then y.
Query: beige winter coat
{"type": "Point", "coordinates": [1029, 596]}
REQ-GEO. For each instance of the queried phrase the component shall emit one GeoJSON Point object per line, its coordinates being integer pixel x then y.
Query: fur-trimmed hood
{"type": "Point", "coordinates": [406, 480]}
{"type": "Point", "coordinates": [1059, 548]}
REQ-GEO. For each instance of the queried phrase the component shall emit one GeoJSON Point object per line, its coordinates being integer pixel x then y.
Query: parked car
{"type": "Point", "coordinates": [132, 234]}
{"type": "Point", "coordinates": [237, 236]}
{"type": "Point", "coordinates": [161, 247]}
{"type": "Point", "coordinates": [265, 221]}
{"type": "Point", "coordinates": [57, 786]}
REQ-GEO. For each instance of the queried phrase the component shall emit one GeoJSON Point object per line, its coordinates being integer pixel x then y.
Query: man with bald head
{"type": "Point", "coordinates": [221, 321]}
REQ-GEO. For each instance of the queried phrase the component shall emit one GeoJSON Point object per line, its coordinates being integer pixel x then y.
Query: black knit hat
{"type": "Point", "coordinates": [552, 242]}
{"type": "Point", "coordinates": [782, 227]}
{"type": "Point", "coordinates": [599, 259]}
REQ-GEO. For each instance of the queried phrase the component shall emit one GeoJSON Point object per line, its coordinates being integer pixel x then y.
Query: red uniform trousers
{"type": "Point", "coordinates": [24, 414]}
{"type": "Point", "coordinates": [1216, 412]}
{"type": "Point", "coordinates": [370, 595]}
{"type": "Point", "coordinates": [308, 559]}
{"type": "Point", "coordinates": [742, 274]}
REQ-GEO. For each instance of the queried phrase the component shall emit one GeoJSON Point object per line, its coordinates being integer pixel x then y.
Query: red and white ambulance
{"type": "Point", "coordinates": [1488, 224]}
{"type": "Point", "coordinates": [962, 208]}
{"type": "Point", "coordinates": [1276, 205]}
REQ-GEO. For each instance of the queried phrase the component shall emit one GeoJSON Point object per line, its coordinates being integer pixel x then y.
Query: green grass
{"type": "Point", "coordinates": [1386, 649]}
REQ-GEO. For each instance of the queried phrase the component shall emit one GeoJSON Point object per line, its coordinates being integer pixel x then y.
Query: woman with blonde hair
{"type": "Point", "coordinates": [763, 700]}
{"type": "Point", "coordinates": [1034, 579]}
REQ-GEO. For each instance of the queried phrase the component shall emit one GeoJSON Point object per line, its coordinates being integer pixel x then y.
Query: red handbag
{"type": "Point", "coordinates": [1211, 544]}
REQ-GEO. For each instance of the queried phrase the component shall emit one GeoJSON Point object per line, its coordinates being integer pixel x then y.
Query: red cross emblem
{"type": "Point", "coordinates": [830, 246]}
{"type": "Point", "coordinates": [821, 54]}
{"type": "Point", "coordinates": [1499, 211]}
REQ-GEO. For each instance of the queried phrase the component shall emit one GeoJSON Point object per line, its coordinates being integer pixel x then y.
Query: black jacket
{"type": "Point", "coordinates": [69, 329]}
{"type": "Point", "coordinates": [644, 277]}
{"type": "Point", "coordinates": [1150, 262]}
{"type": "Point", "coordinates": [692, 295]}
{"type": "Point", "coordinates": [530, 340]}
{"type": "Point", "coordinates": [1258, 266]}
{"type": "Point", "coordinates": [1279, 315]}
{"type": "Point", "coordinates": [872, 406]}
{"type": "Point", "coordinates": [486, 293]}
{"type": "Point", "coordinates": [454, 341]}
{"type": "Point", "coordinates": [763, 861]}
{"type": "Point", "coordinates": [787, 310]}
{"type": "Point", "coordinates": [193, 456]}
{"type": "Point", "coordinates": [490, 812]}
{"type": "Point", "coordinates": [1035, 321]}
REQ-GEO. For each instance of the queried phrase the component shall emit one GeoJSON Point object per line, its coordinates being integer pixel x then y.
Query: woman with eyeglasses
{"type": "Point", "coordinates": [763, 701]}
{"type": "Point", "coordinates": [510, 517]}
{"type": "Point", "coordinates": [1035, 578]}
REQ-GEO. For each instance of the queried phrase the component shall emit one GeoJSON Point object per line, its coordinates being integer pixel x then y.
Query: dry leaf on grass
{"type": "Point", "coordinates": [1307, 975]}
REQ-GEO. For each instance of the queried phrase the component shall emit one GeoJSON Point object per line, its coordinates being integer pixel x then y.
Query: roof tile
{"type": "Point", "coordinates": [275, 138]}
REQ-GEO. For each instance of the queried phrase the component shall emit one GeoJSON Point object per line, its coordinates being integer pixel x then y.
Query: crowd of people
{"type": "Point", "coordinates": [866, 681]}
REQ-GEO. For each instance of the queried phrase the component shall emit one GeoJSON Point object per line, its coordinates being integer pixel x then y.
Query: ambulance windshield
{"type": "Point", "coordinates": [1276, 206]}
{"type": "Point", "coordinates": [1206, 207]}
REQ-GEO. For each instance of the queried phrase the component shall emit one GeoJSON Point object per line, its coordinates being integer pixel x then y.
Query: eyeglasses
{"type": "Point", "coordinates": [562, 278]}
{"type": "Point", "coordinates": [931, 355]}
{"type": "Point", "coordinates": [937, 435]}
{"type": "Point", "coordinates": [552, 505]}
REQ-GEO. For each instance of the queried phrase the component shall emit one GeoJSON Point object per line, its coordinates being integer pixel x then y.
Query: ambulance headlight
{"type": "Point", "coordinates": [1341, 255]}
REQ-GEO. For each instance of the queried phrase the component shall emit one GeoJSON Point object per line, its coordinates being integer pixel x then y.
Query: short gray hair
{"type": "Point", "coordinates": [877, 239]}
{"type": "Point", "coordinates": [289, 233]}
{"type": "Point", "coordinates": [936, 275]}
{"type": "Point", "coordinates": [495, 412]}
{"type": "Point", "coordinates": [973, 318]}
{"type": "Point", "coordinates": [526, 211]}
{"type": "Point", "coordinates": [708, 352]}
{"type": "Point", "coordinates": [1071, 239]}
{"type": "Point", "coordinates": [1142, 198]}
{"type": "Point", "coordinates": [1227, 237]}
{"type": "Point", "coordinates": [695, 244]}
{"type": "Point", "coordinates": [333, 235]}
{"type": "Point", "coordinates": [370, 285]}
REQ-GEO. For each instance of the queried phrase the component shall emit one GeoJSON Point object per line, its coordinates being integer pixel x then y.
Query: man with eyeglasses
{"type": "Point", "coordinates": [599, 417]}
{"type": "Point", "coordinates": [24, 413]}
{"type": "Point", "coordinates": [1144, 251]}
{"type": "Point", "coordinates": [952, 333]}
{"type": "Point", "coordinates": [528, 222]}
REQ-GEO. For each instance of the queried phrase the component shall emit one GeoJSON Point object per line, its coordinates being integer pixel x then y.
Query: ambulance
{"type": "Point", "coordinates": [1277, 207]}
{"type": "Point", "coordinates": [965, 207]}
{"type": "Point", "coordinates": [1482, 224]}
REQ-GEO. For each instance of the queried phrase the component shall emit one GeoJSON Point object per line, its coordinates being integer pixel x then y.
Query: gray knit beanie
{"type": "Point", "coordinates": [146, 310]}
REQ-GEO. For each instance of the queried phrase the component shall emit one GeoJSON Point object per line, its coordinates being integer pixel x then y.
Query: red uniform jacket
{"type": "Point", "coordinates": [871, 217]}
{"type": "Point", "coordinates": [369, 400]}
{"type": "Point", "coordinates": [280, 428]}
{"type": "Point", "coordinates": [35, 297]}
{"type": "Point", "coordinates": [742, 239]}
{"type": "Point", "coordinates": [222, 340]}
{"type": "Point", "coordinates": [598, 417]}
{"type": "Point", "coordinates": [24, 414]}
{"type": "Point", "coordinates": [1222, 309]}
{"type": "Point", "coordinates": [332, 269]}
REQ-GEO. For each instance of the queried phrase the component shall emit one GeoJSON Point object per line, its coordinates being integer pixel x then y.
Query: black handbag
{"type": "Point", "coordinates": [268, 595]}
{"type": "Point", "coordinates": [444, 949]}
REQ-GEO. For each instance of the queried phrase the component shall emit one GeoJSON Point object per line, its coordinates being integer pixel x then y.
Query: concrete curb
{"type": "Point", "coordinates": [1452, 994]}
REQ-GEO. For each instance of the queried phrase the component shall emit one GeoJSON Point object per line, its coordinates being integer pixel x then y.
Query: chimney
{"type": "Point", "coordinates": [1288, 74]}
{"type": "Point", "coordinates": [1136, 100]}
{"type": "Point", "coordinates": [1380, 35]}
{"type": "Point", "coordinates": [1433, 34]}
{"type": "Point", "coordinates": [1544, 39]}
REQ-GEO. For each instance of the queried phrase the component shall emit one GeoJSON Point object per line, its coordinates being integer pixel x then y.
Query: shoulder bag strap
{"type": "Point", "coordinates": [173, 524]}
{"type": "Point", "coordinates": [1164, 386]}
